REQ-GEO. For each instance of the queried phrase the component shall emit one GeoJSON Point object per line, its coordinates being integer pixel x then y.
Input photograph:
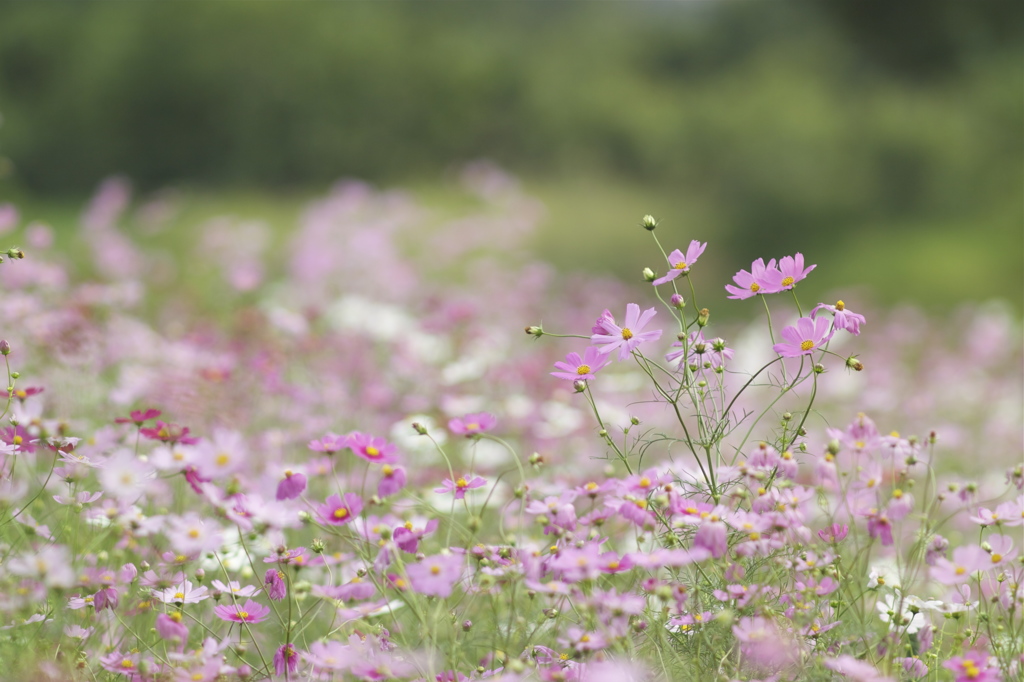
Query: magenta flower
{"type": "Point", "coordinates": [137, 417]}
{"type": "Point", "coordinates": [392, 480]}
{"type": "Point", "coordinates": [291, 486]}
{"type": "Point", "coordinates": [627, 337]}
{"type": "Point", "coordinates": [758, 281]}
{"type": "Point", "coordinates": [472, 424]}
{"type": "Point", "coordinates": [172, 629]}
{"type": "Point", "coordinates": [372, 449]}
{"type": "Point", "coordinates": [277, 588]}
{"type": "Point", "coordinates": [679, 263]}
{"type": "Point", "coordinates": [843, 318]}
{"type": "Point", "coordinates": [575, 367]}
{"type": "Point", "coordinates": [460, 486]}
{"type": "Point", "coordinates": [336, 512]}
{"type": "Point", "coordinates": [249, 612]}
{"type": "Point", "coordinates": [803, 338]}
{"type": "Point", "coordinates": [435, 576]}
{"type": "Point", "coordinates": [286, 658]}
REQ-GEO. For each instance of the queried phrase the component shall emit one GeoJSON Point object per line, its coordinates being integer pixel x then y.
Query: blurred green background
{"type": "Point", "coordinates": [882, 139]}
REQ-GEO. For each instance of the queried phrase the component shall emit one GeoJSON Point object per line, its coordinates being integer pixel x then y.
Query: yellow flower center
{"type": "Point", "coordinates": [243, 614]}
{"type": "Point", "coordinates": [127, 663]}
{"type": "Point", "coordinates": [840, 305]}
{"type": "Point", "coordinates": [787, 281]}
{"type": "Point", "coordinates": [996, 557]}
{"type": "Point", "coordinates": [645, 482]}
{"type": "Point", "coordinates": [627, 333]}
{"type": "Point", "coordinates": [387, 469]}
{"type": "Point", "coordinates": [755, 287]}
{"type": "Point", "coordinates": [613, 565]}
{"type": "Point", "coordinates": [897, 493]}
{"type": "Point", "coordinates": [461, 483]}
{"type": "Point", "coordinates": [583, 369]}
{"type": "Point", "coordinates": [179, 596]}
{"type": "Point", "coordinates": [194, 533]}
{"type": "Point", "coordinates": [681, 265]}
{"type": "Point", "coordinates": [807, 345]}
{"type": "Point", "coordinates": [372, 451]}
{"type": "Point", "coordinates": [176, 616]}
{"type": "Point", "coordinates": [178, 456]}
{"type": "Point", "coordinates": [591, 486]}
{"type": "Point", "coordinates": [960, 570]}
{"type": "Point", "coordinates": [585, 638]}
{"type": "Point", "coordinates": [222, 459]}
{"type": "Point", "coordinates": [340, 513]}
{"type": "Point", "coordinates": [435, 570]}
{"type": "Point", "coordinates": [18, 440]}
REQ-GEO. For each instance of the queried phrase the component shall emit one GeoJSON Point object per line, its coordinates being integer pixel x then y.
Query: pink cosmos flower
{"type": "Point", "coordinates": [435, 576]}
{"type": "Point", "coordinates": [460, 486]}
{"type": "Point", "coordinates": [630, 335]}
{"type": "Point", "coordinates": [291, 486]}
{"type": "Point", "coordinates": [336, 512]}
{"type": "Point", "coordinates": [372, 449]}
{"type": "Point", "coordinates": [172, 629]}
{"type": "Point", "coordinates": [330, 443]}
{"type": "Point", "coordinates": [803, 338]}
{"type": "Point", "coordinates": [138, 417]}
{"type": "Point", "coordinates": [679, 263]}
{"type": "Point", "coordinates": [974, 667]}
{"type": "Point", "coordinates": [286, 658]}
{"type": "Point", "coordinates": [249, 612]}
{"type": "Point", "coordinates": [842, 318]}
{"type": "Point", "coordinates": [856, 669]}
{"type": "Point", "coordinates": [791, 270]}
{"type": "Point", "coordinates": [392, 480]}
{"type": "Point", "coordinates": [757, 281]}
{"type": "Point", "coordinates": [585, 368]}
{"type": "Point", "coordinates": [472, 424]}
{"type": "Point", "coordinates": [277, 588]}
{"type": "Point", "coordinates": [966, 560]}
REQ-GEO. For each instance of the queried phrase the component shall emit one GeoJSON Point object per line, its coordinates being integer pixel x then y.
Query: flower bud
{"type": "Point", "coordinates": [467, 625]}
{"type": "Point", "coordinates": [15, 253]}
{"type": "Point", "coordinates": [535, 330]}
{"type": "Point", "coordinates": [647, 274]}
{"type": "Point", "coordinates": [579, 385]}
{"type": "Point", "coordinates": [819, 368]}
{"type": "Point", "coordinates": [702, 317]}
{"type": "Point", "coordinates": [648, 223]}
{"type": "Point", "coordinates": [419, 428]}
{"type": "Point", "coordinates": [677, 301]}
{"type": "Point", "coordinates": [5, 347]}
{"type": "Point", "coordinates": [853, 363]}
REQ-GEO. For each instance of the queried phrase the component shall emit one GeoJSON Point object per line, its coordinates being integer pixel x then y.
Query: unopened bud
{"type": "Point", "coordinates": [819, 368]}
{"type": "Point", "coordinates": [419, 428]}
{"type": "Point", "coordinates": [648, 223]}
{"type": "Point", "coordinates": [15, 253]}
{"type": "Point", "coordinates": [536, 459]}
{"type": "Point", "coordinates": [853, 363]}
{"type": "Point", "coordinates": [677, 301]}
{"type": "Point", "coordinates": [535, 330]}
{"type": "Point", "coordinates": [317, 546]}
{"type": "Point", "coordinates": [786, 416]}
{"type": "Point", "coordinates": [5, 347]}
{"type": "Point", "coordinates": [647, 274]}
{"type": "Point", "coordinates": [634, 421]}
{"type": "Point", "coordinates": [579, 385]}
{"type": "Point", "coordinates": [702, 317]}
{"type": "Point", "coordinates": [467, 625]}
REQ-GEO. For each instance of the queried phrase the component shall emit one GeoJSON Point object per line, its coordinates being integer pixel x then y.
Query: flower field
{"type": "Point", "coordinates": [349, 462]}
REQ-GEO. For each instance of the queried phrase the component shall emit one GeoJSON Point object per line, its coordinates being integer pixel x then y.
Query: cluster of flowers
{"type": "Point", "coordinates": [718, 530]}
